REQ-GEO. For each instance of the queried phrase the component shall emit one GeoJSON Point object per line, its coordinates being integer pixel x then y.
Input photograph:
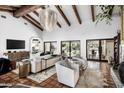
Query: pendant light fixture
{"type": "Point", "coordinates": [48, 18]}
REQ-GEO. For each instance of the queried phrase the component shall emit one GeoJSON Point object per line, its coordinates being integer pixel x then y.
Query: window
{"type": "Point", "coordinates": [51, 47]}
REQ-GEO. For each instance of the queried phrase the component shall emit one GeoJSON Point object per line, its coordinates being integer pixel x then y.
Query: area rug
{"type": "Point", "coordinates": [40, 76]}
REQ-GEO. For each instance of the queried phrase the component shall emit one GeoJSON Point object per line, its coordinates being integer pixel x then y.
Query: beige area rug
{"type": "Point", "coordinates": [40, 76]}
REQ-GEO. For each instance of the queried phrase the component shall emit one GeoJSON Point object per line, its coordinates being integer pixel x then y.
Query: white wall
{"type": "Point", "coordinates": [14, 28]}
{"type": "Point", "coordinates": [87, 30]}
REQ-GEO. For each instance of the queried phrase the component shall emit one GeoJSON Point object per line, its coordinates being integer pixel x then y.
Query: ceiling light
{"type": "Point", "coordinates": [48, 19]}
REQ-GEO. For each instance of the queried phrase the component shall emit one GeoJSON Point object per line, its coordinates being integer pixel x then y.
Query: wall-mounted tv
{"type": "Point", "coordinates": [15, 44]}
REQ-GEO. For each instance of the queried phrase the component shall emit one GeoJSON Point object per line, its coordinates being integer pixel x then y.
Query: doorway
{"type": "Point", "coordinates": [99, 49]}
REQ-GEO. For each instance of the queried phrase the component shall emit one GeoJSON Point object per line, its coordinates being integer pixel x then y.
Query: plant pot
{"type": "Point", "coordinates": [121, 72]}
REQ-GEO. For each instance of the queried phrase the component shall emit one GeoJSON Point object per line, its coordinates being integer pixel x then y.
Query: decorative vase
{"type": "Point", "coordinates": [121, 72]}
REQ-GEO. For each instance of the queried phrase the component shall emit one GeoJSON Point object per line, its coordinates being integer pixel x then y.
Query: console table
{"type": "Point", "coordinates": [49, 61]}
{"type": "Point", "coordinates": [45, 59]}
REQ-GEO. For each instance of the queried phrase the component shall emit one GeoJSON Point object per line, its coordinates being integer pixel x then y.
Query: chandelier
{"type": "Point", "coordinates": [48, 19]}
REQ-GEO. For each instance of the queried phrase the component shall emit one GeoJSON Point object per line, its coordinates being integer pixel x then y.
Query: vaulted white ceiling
{"type": "Point", "coordinates": [83, 10]}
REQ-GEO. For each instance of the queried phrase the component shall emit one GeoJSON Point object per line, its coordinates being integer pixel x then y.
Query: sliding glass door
{"type": "Point", "coordinates": [75, 48]}
{"type": "Point", "coordinates": [100, 49]}
{"type": "Point", "coordinates": [71, 48]}
{"type": "Point", "coordinates": [107, 49]}
{"type": "Point", "coordinates": [65, 47]}
{"type": "Point", "coordinates": [93, 49]}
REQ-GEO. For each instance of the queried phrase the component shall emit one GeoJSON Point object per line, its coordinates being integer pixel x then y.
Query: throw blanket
{"type": "Point", "coordinates": [5, 65]}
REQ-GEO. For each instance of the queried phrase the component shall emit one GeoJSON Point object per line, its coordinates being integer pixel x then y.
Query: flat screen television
{"type": "Point", "coordinates": [15, 44]}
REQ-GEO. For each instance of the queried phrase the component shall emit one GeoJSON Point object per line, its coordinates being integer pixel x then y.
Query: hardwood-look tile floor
{"type": "Point", "coordinates": [52, 82]}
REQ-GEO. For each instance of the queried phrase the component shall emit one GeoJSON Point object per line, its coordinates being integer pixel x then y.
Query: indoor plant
{"type": "Point", "coordinates": [106, 13]}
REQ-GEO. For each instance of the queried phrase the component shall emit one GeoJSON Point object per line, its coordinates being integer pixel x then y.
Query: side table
{"type": "Point", "coordinates": [24, 69]}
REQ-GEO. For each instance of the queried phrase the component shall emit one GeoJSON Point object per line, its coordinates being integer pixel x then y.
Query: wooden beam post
{"type": "Point", "coordinates": [76, 13]}
{"type": "Point", "coordinates": [36, 13]}
{"type": "Point", "coordinates": [33, 21]}
{"type": "Point", "coordinates": [8, 8]}
{"type": "Point", "coordinates": [59, 24]}
{"type": "Point", "coordinates": [92, 12]}
{"type": "Point", "coordinates": [63, 15]}
{"type": "Point", "coordinates": [25, 9]}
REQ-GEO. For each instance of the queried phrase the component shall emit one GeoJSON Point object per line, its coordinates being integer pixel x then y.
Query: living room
{"type": "Point", "coordinates": [38, 56]}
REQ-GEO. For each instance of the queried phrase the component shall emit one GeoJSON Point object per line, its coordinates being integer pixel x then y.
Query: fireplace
{"type": "Point", "coordinates": [116, 78]}
{"type": "Point", "coordinates": [115, 72]}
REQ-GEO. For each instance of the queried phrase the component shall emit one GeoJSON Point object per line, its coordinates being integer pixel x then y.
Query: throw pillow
{"type": "Point", "coordinates": [66, 63]}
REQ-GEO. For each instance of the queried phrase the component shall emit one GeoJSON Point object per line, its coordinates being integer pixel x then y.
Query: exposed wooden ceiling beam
{"type": "Point", "coordinates": [59, 24]}
{"type": "Point", "coordinates": [76, 13]}
{"type": "Point", "coordinates": [8, 8]}
{"type": "Point", "coordinates": [37, 14]}
{"type": "Point", "coordinates": [4, 10]}
{"type": "Point", "coordinates": [93, 12]}
{"type": "Point", "coordinates": [63, 15]}
{"type": "Point", "coordinates": [25, 9]}
{"type": "Point", "coordinates": [27, 17]}
{"type": "Point", "coordinates": [33, 21]}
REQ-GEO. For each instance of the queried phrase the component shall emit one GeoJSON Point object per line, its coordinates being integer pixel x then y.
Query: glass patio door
{"type": "Point", "coordinates": [65, 48]}
{"type": "Point", "coordinates": [75, 48]}
{"type": "Point", "coordinates": [71, 48]}
{"type": "Point", "coordinates": [93, 49]}
{"type": "Point", "coordinates": [100, 50]}
{"type": "Point", "coordinates": [107, 49]}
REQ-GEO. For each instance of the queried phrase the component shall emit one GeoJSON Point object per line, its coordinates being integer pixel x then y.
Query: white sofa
{"type": "Point", "coordinates": [67, 76]}
{"type": "Point", "coordinates": [37, 64]}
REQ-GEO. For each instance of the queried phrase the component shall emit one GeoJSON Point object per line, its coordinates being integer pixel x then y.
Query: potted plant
{"type": "Point", "coordinates": [106, 13]}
